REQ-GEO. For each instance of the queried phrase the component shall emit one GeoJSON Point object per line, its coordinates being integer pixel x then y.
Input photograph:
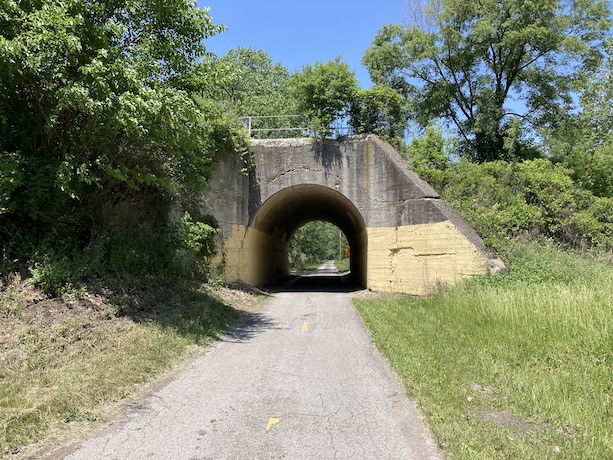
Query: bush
{"type": "Point", "coordinates": [196, 244]}
{"type": "Point", "coordinates": [103, 137]}
{"type": "Point", "coordinates": [534, 200]}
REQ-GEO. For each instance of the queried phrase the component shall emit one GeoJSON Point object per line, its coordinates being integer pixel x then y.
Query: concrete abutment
{"type": "Point", "coordinates": [403, 238]}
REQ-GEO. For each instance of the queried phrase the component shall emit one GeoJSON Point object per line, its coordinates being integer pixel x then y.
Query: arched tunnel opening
{"type": "Point", "coordinates": [289, 209]}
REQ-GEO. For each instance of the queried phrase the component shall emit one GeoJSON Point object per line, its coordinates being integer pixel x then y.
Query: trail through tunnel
{"type": "Point", "coordinates": [289, 209]}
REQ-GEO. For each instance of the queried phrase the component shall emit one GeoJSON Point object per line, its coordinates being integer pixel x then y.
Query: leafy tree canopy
{"type": "Point", "coordinates": [380, 110]}
{"type": "Point", "coordinates": [494, 69]}
{"type": "Point", "coordinates": [251, 84]}
{"type": "Point", "coordinates": [83, 82]}
{"type": "Point", "coordinates": [254, 84]}
{"type": "Point", "coordinates": [94, 114]}
{"type": "Point", "coordinates": [584, 142]}
{"type": "Point", "coordinates": [324, 93]}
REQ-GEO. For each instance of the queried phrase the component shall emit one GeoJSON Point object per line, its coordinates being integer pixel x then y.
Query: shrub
{"type": "Point", "coordinates": [534, 199]}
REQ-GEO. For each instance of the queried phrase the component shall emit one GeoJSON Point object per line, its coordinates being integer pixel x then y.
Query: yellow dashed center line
{"type": "Point", "coordinates": [305, 326]}
{"type": "Point", "coordinates": [272, 422]}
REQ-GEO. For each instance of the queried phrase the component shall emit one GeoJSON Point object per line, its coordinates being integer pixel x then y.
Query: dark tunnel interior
{"type": "Point", "coordinates": [286, 211]}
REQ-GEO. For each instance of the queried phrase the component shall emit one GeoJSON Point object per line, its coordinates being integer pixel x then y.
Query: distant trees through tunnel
{"type": "Point", "coordinates": [316, 243]}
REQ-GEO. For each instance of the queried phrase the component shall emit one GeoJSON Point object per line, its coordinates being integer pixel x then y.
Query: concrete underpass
{"type": "Point", "coordinates": [403, 238]}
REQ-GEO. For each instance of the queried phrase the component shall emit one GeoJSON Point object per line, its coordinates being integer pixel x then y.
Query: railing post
{"type": "Point", "coordinates": [304, 124]}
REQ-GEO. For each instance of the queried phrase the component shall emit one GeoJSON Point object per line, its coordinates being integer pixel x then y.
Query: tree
{"type": "Point", "coordinates": [430, 155]}
{"type": "Point", "coordinates": [494, 69]}
{"type": "Point", "coordinates": [584, 142]}
{"type": "Point", "coordinates": [324, 93]}
{"type": "Point", "coordinates": [379, 110]}
{"type": "Point", "coordinates": [253, 85]}
{"type": "Point", "coordinates": [95, 118]}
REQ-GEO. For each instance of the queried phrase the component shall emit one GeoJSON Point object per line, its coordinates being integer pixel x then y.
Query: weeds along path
{"type": "Point", "coordinates": [300, 379]}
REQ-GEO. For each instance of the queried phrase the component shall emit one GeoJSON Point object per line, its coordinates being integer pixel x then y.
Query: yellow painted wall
{"type": "Point", "coordinates": [415, 259]}
{"type": "Point", "coordinates": [228, 258]}
{"type": "Point", "coordinates": [250, 255]}
{"type": "Point", "coordinates": [411, 259]}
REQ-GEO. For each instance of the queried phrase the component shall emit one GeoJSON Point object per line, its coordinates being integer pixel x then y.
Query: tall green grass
{"type": "Point", "coordinates": [515, 366]}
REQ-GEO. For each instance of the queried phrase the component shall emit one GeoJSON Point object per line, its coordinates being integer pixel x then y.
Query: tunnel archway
{"type": "Point", "coordinates": [411, 240]}
{"type": "Point", "coordinates": [287, 210]}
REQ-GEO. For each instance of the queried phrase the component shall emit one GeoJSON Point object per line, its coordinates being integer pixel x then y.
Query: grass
{"type": "Point", "coordinates": [62, 362]}
{"type": "Point", "coordinates": [511, 366]}
{"type": "Point", "coordinates": [342, 265]}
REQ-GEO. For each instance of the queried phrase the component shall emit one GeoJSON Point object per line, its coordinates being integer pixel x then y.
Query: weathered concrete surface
{"type": "Point", "coordinates": [403, 238]}
{"type": "Point", "coordinates": [416, 258]}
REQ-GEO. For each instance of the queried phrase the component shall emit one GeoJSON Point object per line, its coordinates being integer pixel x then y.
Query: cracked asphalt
{"type": "Point", "coordinates": [299, 380]}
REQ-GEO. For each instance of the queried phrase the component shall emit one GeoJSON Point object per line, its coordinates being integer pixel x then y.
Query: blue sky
{"type": "Point", "coordinates": [299, 33]}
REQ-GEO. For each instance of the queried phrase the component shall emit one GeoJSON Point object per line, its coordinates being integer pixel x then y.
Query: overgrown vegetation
{"type": "Point", "coordinates": [103, 136]}
{"type": "Point", "coordinates": [532, 200]}
{"type": "Point", "coordinates": [511, 366]}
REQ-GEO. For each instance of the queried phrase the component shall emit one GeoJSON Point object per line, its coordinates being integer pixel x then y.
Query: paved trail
{"type": "Point", "coordinates": [301, 380]}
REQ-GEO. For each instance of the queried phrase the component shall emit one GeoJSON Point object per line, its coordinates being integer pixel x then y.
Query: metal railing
{"type": "Point", "coordinates": [270, 124]}
{"type": "Point", "coordinates": [289, 126]}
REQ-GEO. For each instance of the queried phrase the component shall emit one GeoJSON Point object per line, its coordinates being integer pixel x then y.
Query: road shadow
{"type": "Point", "coordinates": [247, 327]}
{"type": "Point", "coordinates": [315, 282]}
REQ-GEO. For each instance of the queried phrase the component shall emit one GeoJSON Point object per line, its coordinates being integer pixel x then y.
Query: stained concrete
{"type": "Point", "coordinates": [360, 184]}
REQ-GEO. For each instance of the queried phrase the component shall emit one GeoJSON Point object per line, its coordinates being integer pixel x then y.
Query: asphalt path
{"type": "Point", "coordinates": [298, 380]}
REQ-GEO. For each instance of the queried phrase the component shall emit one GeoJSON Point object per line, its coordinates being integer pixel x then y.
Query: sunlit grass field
{"type": "Point", "coordinates": [514, 366]}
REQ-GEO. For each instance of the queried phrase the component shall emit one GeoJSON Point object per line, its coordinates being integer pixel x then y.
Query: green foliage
{"type": "Point", "coordinates": [545, 263]}
{"type": "Point", "coordinates": [467, 62]}
{"type": "Point", "coordinates": [55, 275]}
{"type": "Point", "coordinates": [196, 242]}
{"type": "Point", "coordinates": [315, 243]}
{"type": "Point", "coordinates": [534, 199]}
{"type": "Point", "coordinates": [12, 303]}
{"type": "Point", "coordinates": [253, 84]}
{"type": "Point", "coordinates": [95, 117]}
{"type": "Point", "coordinates": [591, 165]}
{"type": "Point", "coordinates": [379, 110]}
{"type": "Point", "coordinates": [584, 143]}
{"type": "Point", "coordinates": [430, 155]}
{"type": "Point", "coordinates": [324, 93]}
{"type": "Point", "coordinates": [197, 237]}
